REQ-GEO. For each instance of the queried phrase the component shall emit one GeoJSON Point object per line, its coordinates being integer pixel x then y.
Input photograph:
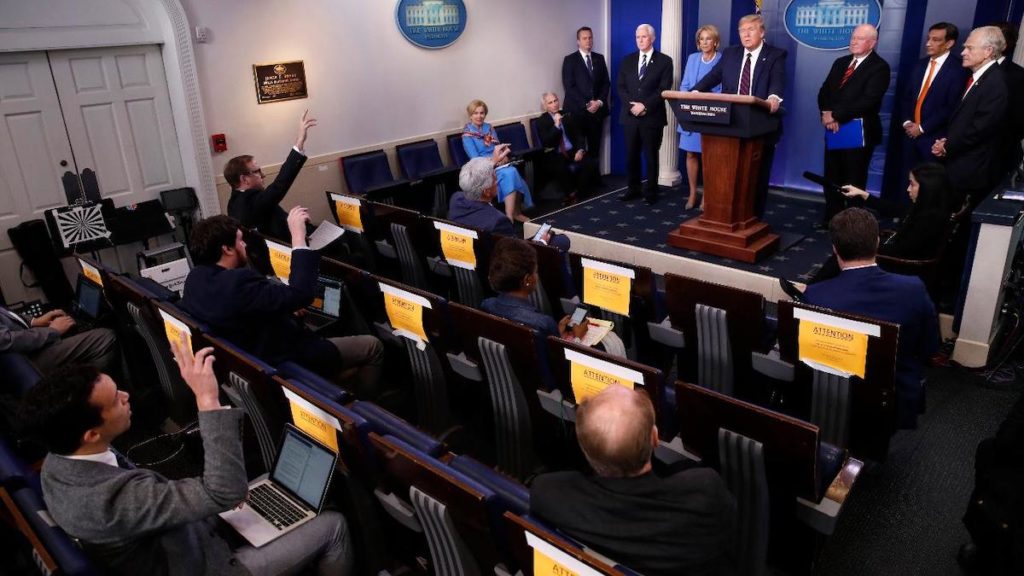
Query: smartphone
{"type": "Point", "coordinates": [579, 316]}
{"type": "Point", "coordinates": [544, 229]}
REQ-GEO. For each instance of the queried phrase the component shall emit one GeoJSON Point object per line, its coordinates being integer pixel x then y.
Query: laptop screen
{"type": "Point", "coordinates": [304, 467]}
{"type": "Point", "coordinates": [90, 297]}
{"type": "Point", "coordinates": [328, 297]}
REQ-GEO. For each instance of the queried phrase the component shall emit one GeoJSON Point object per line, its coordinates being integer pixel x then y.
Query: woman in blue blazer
{"type": "Point", "coordinates": [481, 141]}
{"type": "Point", "coordinates": [697, 66]}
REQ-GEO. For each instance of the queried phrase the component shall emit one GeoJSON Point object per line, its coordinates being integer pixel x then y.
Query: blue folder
{"type": "Point", "coordinates": [850, 135]}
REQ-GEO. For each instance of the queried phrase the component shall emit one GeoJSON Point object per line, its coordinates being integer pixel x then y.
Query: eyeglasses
{"type": "Point", "coordinates": [251, 172]}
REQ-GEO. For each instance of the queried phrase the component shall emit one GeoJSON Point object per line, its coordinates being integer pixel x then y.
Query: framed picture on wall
{"type": "Point", "coordinates": [280, 81]}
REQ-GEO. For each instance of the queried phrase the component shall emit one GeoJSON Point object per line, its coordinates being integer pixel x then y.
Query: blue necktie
{"type": "Point", "coordinates": [643, 67]}
{"type": "Point", "coordinates": [590, 65]}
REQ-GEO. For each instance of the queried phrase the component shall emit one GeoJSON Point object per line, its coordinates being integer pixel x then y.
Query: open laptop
{"type": "Point", "coordinates": [88, 304]}
{"type": "Point", "coordinates": [326, 307]}
{"type": "Point", "coordinates": [292, 495]}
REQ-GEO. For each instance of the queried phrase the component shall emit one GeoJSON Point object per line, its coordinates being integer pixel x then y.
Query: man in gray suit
{"type": "Point", "coordinates": [135, 521]}
{"type": "Point", "coordinates": [45, 341]}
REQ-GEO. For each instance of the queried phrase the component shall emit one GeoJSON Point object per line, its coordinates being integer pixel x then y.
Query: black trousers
{"type": "Point", "coordinates": [642, 139]}
{"type": "Point", "coordinates": [844, 167]}
{"type": "Point", "coordinates": [580, 177]}
{"type": "Point", "coordinates": [592, 126]}
{"type": "Point", "coordinates": [767, 158]}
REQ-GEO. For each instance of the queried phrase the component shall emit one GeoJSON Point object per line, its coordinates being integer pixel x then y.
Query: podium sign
{"type": "Point", "coordinates": [733, 130]}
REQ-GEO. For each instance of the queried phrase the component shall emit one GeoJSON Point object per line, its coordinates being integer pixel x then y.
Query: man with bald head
{"type": "Point", "coordinates": [680, 524]}
{"type": "Point", "coordinates": [853, 89]}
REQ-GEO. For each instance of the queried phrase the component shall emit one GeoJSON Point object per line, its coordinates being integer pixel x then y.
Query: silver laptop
{"type": "Point", "coordinates": [292, 495]}
{"type": "Point", "coordinates": [326, 306]}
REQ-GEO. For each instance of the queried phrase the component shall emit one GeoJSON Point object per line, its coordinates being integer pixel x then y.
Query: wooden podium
{"type": "Point", "coordinates": [733, 130]}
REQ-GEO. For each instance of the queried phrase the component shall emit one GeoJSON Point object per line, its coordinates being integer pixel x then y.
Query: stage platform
{"type": "Point", "coordinates": [636, 233]}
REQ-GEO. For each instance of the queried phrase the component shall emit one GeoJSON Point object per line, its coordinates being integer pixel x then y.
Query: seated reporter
{"type": "Point", "coordinates": [513, 275]}
{"type": "Point", "coordinates": [48, 341]}
{"type": "Point", "coordinates": [259, 314]}
{"type": "Point", "coordinates": [135, 521]}
{"type": "Point", "coordinates": [471, 206]}
{"type": "Point", "coordinates": [565, 159]}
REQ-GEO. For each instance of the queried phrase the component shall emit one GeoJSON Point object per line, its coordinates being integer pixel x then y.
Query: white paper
{"type": "Point", "coordinates": [324, 234]}
{"type": "Point", "coordinates": [170, 275]}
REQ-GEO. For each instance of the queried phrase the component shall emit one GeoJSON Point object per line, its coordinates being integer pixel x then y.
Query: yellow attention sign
{"type": "Point", "coordinates": [842, 349]}
{"type": "Point", "coordinates": [550, 561]}
{"type": "Point", "coordinates": [347, 211]}
{"type": "Point", "coordinates": [546, 566]}
{"type": "Point", "coordinates": [174, 328]}
{"type": "Point", "coordinates": [280, 260]}
{"type": "Point", "coordinates": [313, 421]}
{"type": "Point", "coordinates": [587, 381]}
{"type": "Point", "coordinates": [91, 273]}
{"type": "Point", "coordinates": [458, 249]}
{"type": "Point", "coordinates": [405, 311]}
{"type": "Point", "coordinates": [607, 286]}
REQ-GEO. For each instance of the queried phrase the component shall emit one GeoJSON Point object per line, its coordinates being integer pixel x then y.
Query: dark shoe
{"type": "Point", "coordinates": [791, 290]}
{"type": "Point", "coordinates": [650, 200]}
{"type": "Point", "coordinates": [570, 199]}
{"type": "Point", "coordinates": [629, 196]}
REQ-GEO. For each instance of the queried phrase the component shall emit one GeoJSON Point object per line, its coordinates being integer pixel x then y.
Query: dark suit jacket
{"type": "Point", "coordinates": [550, 135]}
{"type": "Point", "coordinates": [479, 215]}
{"type": "Point", "coordinates": [1014, 75]}
{"type": "Point", "coordinates": [769, 73]}
{"type": "Point", "coordinates": [874, 293]}
{"type": "Point", "coordinates": [943, 96]}
{"type": "Point", "coordinates": [976, 131]}
{"type": "Point", "coordinates": [657, 79]}
{"type": "Point", "coordinates": [682, 524]}
{"type": "Point", "coordinates": [257, 313]}
{"type": "Point", "coordinates": [581, 88]}
{"type": "Point", "coordinates": [138, 522]}
{"type": "Point", "coordinates": [860, 97]}
{"type": "Point", "coordinates": [260, 208]}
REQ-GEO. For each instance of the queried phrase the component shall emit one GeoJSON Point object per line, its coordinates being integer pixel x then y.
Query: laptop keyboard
{"type": "Point", "coordinates": [273, 506]}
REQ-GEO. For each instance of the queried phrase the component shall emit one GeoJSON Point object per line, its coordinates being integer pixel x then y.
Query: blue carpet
{"type": "Point", "coordinates": [802, 248]}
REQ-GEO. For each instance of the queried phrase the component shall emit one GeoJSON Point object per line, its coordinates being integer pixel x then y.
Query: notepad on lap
{"type": "Point", "coordinates": [850, 135]}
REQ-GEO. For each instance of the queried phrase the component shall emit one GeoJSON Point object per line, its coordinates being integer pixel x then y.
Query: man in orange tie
{"type": "Point", "coordinates": [932, 93]}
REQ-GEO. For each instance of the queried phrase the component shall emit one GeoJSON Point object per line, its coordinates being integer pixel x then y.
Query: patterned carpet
{"type": "Point", "coordinates": [802, 248]}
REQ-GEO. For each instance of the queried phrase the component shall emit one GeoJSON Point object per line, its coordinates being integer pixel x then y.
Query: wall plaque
{"type": "Point", "coordinates": [279, 82]}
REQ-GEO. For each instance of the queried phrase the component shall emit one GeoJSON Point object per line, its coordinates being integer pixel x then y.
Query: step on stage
{"type": "Point", "coordinates": [635, 233]}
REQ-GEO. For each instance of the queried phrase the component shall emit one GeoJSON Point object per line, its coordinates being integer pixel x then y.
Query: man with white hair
{"type": "Point", "coordinates": [971, 146]}
{"type": "Point", "coordinates": [566, 159]}
{"type": "Point", "coordinates": [643, 76]}
{"type": "Point", "coordinates": [679, 524]}
{"type": "Point", "coordinates": [853, 90]}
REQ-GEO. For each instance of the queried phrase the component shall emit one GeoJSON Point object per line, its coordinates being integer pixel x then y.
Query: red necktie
{"type": "Point", "coordinates": [970, 81]}
{"type": "Point", "coordinates": [745, 77]}
{"type": "Point", "coordinates": [848, 73]}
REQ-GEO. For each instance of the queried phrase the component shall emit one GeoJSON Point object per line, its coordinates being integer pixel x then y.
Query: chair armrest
{"type": "Point", "coordinates": [553, 403]}
{"type": "Point", "coordinates": [400, 510]}
{"type": "Point", "coordinates": [385, 249]}
{"type": "Point", "coordinates": [824, 515]}
{"type": "Point", "coordinates": [465, 367]}
{"type": "Point", "coordinates": [673, 451]}
{"type": "Point", "coordinates": [772, 366]}
{"type": "Point", "coordinates": [380, 189]}
{"type": "Point", "coordinates": [663, 333]}
{"type": "Point", "coordinates": [438, 265]}
{"type": "Point", "coordinates": [907, 261]}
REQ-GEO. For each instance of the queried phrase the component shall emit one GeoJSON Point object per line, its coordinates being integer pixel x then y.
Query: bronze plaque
{"type": "Point", "coordinates": [279, 82]}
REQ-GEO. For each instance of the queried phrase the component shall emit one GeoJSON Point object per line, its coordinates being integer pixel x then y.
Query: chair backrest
{"type": "Point", "coordinates": [513, 133]}
{"type": "Point", "coordinates": [507, 351]}
{"type": "Point", "coordinates": [418, 158]}
{"type": "Point", "coordinates": [830, 407]}
{"type": "Point", "coordinates": [17, 374]}
{"type": "Point", "coordinates": [366, 170]}
{"type": "Point", "coordinates": [470, 286]}
{"type": "Point", "coordinates": [872, 398]}
{"type": "Point", "coordinates": [714, 350]}
{"type": "Point", "coordinates": [517, 527]}
{"type": "Point", "coordinates": [790, 445]}
{"type": "Point", "coordinates": [555, 278]}
{"type": "Point", "coordinates": [456, 150]}
{"type": "Point", "coordinates": [632, 328]}
{"type": "Point", "coordinates": [247, 382]}
{"type": "Point", "coordinates": [452, 509]}
{"type": "Point", "coordinates": [744, 318]}
{"type": "Point", "coordinates": [534, 131]}
{"type": "Point", "coordinates": [743, 470]}
{"type": "Point", "coordinates": [53, 551]}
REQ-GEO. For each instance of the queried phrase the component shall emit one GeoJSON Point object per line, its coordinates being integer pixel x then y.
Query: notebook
{"type": "Point", "coordinates": [292, 495]}
{"type": "Point", "coordinates": [850, 135]}
{"type": "Point", "coordinates": [326, 306]}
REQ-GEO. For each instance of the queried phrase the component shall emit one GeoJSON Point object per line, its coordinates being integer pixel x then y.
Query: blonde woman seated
{"type": "Point", "coordinates": [481, 141]}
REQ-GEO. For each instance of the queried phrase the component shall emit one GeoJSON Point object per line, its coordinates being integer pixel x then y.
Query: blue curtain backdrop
{"type": "Point", "coordinates": [902, 28]}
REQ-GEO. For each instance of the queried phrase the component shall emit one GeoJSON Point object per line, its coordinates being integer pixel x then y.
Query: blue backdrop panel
{"type": "Point", "coordinates": [625, 17]}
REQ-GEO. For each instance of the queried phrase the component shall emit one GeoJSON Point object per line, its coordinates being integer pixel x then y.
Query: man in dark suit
{"type": "Point", "coordinates": [678, 524]}
{"type": "Point", "coordinates": [258, 314]}
{"type": "Point", "coordinates": [853, 89]}
{"type": "Point", "coordinates": [256, 204]}
{"type": "Point", "coordinates": [864, 288]}
{"type": "Point", "coordinates": [933, 92]}
{"type": "Point", "coordinates": [46, 342]}
{"type": "Point", "coordinates": [1014, 75]}
{"type": "Point", "coordinates": [977, 127]}
{"type": "Point", "coordinates": [755, 69]}
{"type": "Point", "coordinates": [134, 520]}
{"type": "Point", "coordinates": [587, 85]}
{"type": "Point", "coordinates": [643, 76]}
{"type": "Point", "coordinates": [566, 158]}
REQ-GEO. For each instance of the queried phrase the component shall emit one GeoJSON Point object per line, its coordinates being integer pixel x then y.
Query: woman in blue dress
{"type": "Point", "coordinates": [697, 66]}
{"type": "Point", "coordinates": [480, 140]}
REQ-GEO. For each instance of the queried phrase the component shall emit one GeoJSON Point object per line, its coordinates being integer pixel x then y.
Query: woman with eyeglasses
{"type": "Point", "coordinates": [481, 141]}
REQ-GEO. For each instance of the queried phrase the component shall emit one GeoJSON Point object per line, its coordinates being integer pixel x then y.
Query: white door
{"type": "Point", "coordinates": [119, 121]}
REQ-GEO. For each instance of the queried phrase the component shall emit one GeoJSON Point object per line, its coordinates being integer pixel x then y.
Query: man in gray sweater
{"type": "Point", "coordinates": [135, 521]}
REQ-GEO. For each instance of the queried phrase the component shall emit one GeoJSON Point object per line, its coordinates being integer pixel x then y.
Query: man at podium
{"type": "Point", "coordinates": [756, 69]}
